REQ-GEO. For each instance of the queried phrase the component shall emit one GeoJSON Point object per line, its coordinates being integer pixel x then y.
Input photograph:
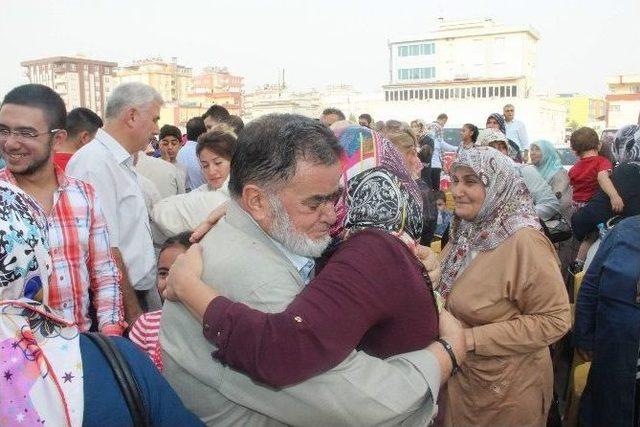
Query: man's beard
{"type": "Point", "coordinates": [37, 164]}
{"type": "Point", "coordinates": [282, 231]}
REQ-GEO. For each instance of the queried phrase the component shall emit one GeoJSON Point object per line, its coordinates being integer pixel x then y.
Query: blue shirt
{"type": "Point", "coordinates": [303, 264]}
{"type": "Point", "coordinates": [188, 159]}
{"type": "Point", "coordinates": [517, 133]}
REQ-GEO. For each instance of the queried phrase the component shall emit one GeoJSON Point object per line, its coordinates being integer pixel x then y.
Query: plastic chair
{"type": "Point", "coordinates": [449, 200]}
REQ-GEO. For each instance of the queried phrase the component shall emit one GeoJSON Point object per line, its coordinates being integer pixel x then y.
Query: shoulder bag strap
{"type": "Point", "coordinates": [124, 378]}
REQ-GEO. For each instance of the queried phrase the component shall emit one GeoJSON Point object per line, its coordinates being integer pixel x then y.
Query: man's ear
{"type": "Point", "coordinates": [59, 138]}
{"type": "Point", "coordinates": [256, 202]}
{"type": "Point", "coordinates": [129, 116]}
{"type": "Point", "coordinates": [84, 137]}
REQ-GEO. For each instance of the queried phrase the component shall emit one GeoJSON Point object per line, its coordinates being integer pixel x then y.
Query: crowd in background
{"type": "Point", "coordinates": [310, 271]}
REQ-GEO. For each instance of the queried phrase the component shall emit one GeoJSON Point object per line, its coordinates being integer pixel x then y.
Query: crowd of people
{"type": "Point", "coordinates": [282, 272]}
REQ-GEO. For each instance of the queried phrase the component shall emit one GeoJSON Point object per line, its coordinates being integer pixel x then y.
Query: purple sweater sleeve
{"type": "Point", "coordinates": [320, 327]}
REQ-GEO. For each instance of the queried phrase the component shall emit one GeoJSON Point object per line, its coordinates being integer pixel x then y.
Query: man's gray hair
{"type": "Point", "coordinates": [130, 95]}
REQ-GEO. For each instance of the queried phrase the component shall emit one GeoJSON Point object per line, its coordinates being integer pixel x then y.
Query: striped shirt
{"type": "Point", "coordinates": [81, 257]}
{"type": "Point", "coordinates": [145, 334]}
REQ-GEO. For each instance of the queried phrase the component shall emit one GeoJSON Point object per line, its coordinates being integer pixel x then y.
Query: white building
{"type": "Point", "coordinates": [465, 59]}
{"type": "Point", "coordinates": [81, 82]}
{"type": "Point", "coordinates": [467, 69]}
{"type": "Point", "coordinates": [624, 100]}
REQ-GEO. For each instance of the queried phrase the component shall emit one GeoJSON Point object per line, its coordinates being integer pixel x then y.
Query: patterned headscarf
{"type": "Point", "coordinates": [500, 119]}
{"type": "Point", "coordinates": [379, 191]}
{"type": "Point", "coordinates": [550, 162]}
{"type": "Point", "coordinates": [40, 361]}
{"type": "Point", "coordinates": [489, 135]}
{"type": "Point", "coordinates": [507, 208]}
{"type": "Point", "coordinates": [626, 144]}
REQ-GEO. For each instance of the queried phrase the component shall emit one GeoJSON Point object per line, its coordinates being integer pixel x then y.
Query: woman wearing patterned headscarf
{"type": "Point", "coordinates": [545, 202]}
{"type": "Point", "coordinates": [370, 289]}
{"type": "Point", "coordinates": [496, 121]}
{"type": "Point", "coordinates": [501, 279]}
{"type": "Point", "coordinates": [625, 177]}
{"type": "Point", "coordinates": [51, 374]}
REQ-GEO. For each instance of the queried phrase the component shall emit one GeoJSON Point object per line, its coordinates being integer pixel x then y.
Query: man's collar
{"type": "Point", "coordinates": [298, 261]}
{"type": "Point", "coordinates": [115, 148]}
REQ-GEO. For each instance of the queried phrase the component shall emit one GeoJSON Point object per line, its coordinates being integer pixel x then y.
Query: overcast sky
{"type": "Point", "coordinates": [317, 42]}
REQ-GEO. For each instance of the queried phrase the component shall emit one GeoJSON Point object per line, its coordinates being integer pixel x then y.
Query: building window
{"type": "Point", "coordinates": [430, 94]}
{"type": "Point", "coordinates": [473, 92]}
{"type": "Point", "coordinates": [514, 91]}
{"type": "Point", "coordinates": [386, 95]}
{"type": "Point", "coordinates": [484, 92]}
{"type": "Point", "coordinates": [490, 91]}
{"type": "Point", "coordinates": [421, 94]}
{"type": "Point", "coordinates": [416, 73]}
{"type": "Point", "coordinates": [463, 92]}
{"type": "Point", "coordinates": [508, 91]}
{"type": "Point", "coordinates": [502, 92]}
{"type": "Point", "coordinates": [395, 95]}
{"type": "Point", "coordinates": [417, 49]}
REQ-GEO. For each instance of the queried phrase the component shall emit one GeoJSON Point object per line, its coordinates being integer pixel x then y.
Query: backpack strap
{"type": "Point", "coordinates": [124, 377]}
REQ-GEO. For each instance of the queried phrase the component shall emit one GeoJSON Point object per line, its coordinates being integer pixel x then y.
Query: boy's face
{"type": "Point", "coordinates": [441, 204]}
{"type": "Point", "coordinates": [165, 261]}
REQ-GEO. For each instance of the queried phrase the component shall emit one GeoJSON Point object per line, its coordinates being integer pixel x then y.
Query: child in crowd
{"type": "Point", "coordinates": [590, 172]}
{"type": "Point", "coordinates": [444, 215]}
{"type": "Point", "coordinates": [145, 330]}
{"type": "Point", "coordinates": [469, 135]}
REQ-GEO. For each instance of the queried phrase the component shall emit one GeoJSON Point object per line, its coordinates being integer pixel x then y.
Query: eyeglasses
{"type": "Point", "coordinates": [23, 134]}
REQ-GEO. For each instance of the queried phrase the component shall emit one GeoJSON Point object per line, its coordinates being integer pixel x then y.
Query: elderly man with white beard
{"type": "Point", "coordinates": [284, 181]}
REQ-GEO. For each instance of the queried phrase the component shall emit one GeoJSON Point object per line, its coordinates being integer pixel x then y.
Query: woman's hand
{"type": "Point", "coordinates": [207, 224]}
{"type": "Point", "coordinates": [186, 269]}
{"type": "Point", "coordinates": [431, 262]}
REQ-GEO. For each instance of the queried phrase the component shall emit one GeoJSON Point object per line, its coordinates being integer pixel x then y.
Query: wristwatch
{"type": "Point", "coordinates": [454, 363]}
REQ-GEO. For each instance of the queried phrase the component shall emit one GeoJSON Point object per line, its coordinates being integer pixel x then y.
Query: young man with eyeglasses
{"type": "Point", "coordinates": [32, 121]}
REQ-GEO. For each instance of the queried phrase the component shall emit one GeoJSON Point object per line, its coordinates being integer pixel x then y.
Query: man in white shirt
{"type": "Point", "coordinates": [131, 119]}
{"type": "Point", "coordinates": [516, 131]}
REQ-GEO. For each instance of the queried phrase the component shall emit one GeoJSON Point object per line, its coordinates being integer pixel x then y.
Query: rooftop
{"type": "Point", "coordinates": [468, 28]}
{"type": "Point", "coordinates": [67, 59]}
